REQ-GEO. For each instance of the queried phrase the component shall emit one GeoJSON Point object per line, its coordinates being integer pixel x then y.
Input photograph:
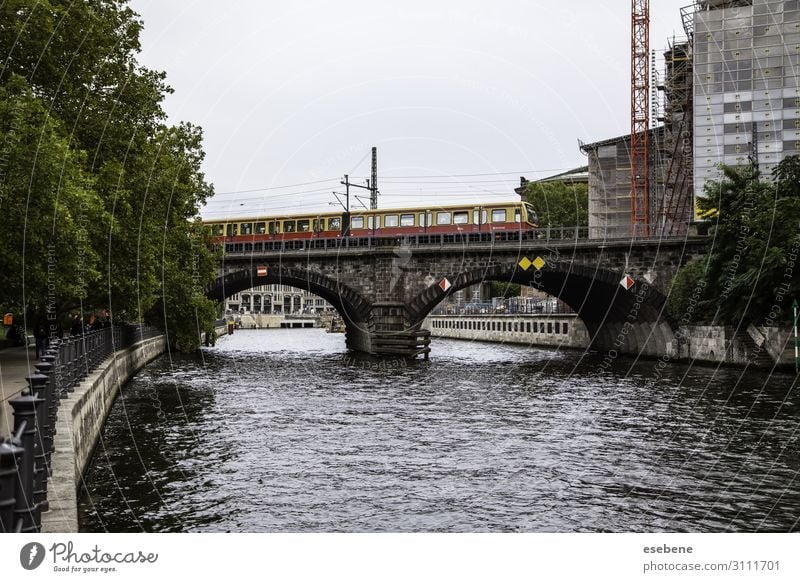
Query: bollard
{"type": "Point", "coordinates": [38, 386]}
{"type": "Point", "coordinates": [10, 455]}
{"type": "Point", "coordinates": [50, 407]}
{"type": "Point", "coordinates": [68, 363]}
{"type": "Point", "coordinates": [25, 509]}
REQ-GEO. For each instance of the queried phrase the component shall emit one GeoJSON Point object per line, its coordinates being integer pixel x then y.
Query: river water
{"type": "Point", "coordinates": [282, 431]}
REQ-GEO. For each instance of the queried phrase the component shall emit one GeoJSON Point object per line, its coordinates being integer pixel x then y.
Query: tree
{"type": "Point", "coordinates": [84, 131]}
{"type": "Point", "coordinates": [559, 204]}
{"type": "Point", "coordinates": [48, 204]}
{"type": "Point", "coordinates": [751, 271]}
{"type": "Point", "coordinates": [505, 289]}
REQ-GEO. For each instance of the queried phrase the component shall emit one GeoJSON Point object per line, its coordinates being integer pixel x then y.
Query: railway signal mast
{"type": "Point", "coordinates": [640, 117]}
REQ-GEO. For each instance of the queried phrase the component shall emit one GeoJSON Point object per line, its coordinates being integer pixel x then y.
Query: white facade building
{"type": "Point", "coordinates": [276, 299]}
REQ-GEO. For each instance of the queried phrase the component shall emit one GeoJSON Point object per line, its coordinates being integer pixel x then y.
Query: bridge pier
{"type": "Point", "coordinates": [389, 332]}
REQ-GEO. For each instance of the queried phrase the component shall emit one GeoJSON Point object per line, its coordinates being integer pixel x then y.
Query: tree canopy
{"type": "Point", "coordinates": [752, 273]}
{"type": "Point", "coordinates": [559, 204]}
{"type": "Point", "coordinates": [100, 194]}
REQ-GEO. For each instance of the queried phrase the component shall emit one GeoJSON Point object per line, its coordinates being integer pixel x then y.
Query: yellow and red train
{"type": "Point", "coordinates": [508, 217]}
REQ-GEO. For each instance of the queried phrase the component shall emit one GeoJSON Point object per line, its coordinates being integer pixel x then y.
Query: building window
{"type": "Point", "coordinates": [565, 328]}
{"type": "Point", "coordinates": [549, 327]}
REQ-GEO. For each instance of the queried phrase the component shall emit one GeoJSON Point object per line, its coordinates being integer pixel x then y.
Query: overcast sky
{"type": "Point", "coordinates": [298, 92]}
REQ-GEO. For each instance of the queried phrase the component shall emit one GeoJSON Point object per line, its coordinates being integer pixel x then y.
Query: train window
{"type": "Point", "coordinates": [461, 218]}
{"type": "Point", "coordinates": [442, 218]}
{"type": "Point", "coordinates": [303, 225]}
{"type": "Point", "coordinates": [334, 224]}
{"type": "Point", "coordinates": [319, 224]}
{"type": "Point", "coordinates": [390, 220]}
{"type": "Point", "coordinates": [233, 230]}
{"type": "Point", "coordinates": [247, 228]}
{"type": "Point", "coordinates": [357, 222]}
{"type": "Point", "coordinates": [261, 227]}
{"type": "Point", "coordinates": [517, 215]}
{"type": "Point", "coordinates": [406, 220]}
{"type": "Point", "coordinates": [499, 215]}
{"type": "Point", "coordinates": [429, 219]}
{"type": "Point", "coordinates": [289, 226]}
{"type": "Point", "coordinates": [217, 229]}
{"type": "Point", "coordinates": [274, 227]}
{"type": "Point", "coordinates": [370, 222]}
{"type": "Point", "coordinates": [475, 217]}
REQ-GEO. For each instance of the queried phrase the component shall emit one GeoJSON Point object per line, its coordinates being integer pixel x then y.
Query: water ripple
{"type": "Point", "coordinates": [277, 431]}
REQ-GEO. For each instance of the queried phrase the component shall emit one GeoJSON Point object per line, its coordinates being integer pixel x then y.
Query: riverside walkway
{"type": "Point", "coordinates": [16, 364]}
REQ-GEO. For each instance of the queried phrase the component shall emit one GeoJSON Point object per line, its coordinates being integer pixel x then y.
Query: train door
{"type": "Point", "coordinates": [479, 217]}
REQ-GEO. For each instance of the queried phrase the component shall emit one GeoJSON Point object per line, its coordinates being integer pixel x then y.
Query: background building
{"type": "Point", "coordinates": [727, 93]}
{"type": "Point", "coordinates": [276, 299]}
{"type": "Point", "coordinates": [746, 97]}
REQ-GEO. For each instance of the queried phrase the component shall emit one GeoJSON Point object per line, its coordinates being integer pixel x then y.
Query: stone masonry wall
{"type": "Point", "coordinates": [80, 421]}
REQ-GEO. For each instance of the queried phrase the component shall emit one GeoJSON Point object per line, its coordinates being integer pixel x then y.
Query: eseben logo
{"type": "Point", "coordinates": [31, 555]}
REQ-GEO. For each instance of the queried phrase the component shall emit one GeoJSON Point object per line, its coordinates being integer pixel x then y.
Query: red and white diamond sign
{"type": "Point", "coordinates": [627, 282]}
{"type": "Point", "coordinates": [444, 284]}
{"type": "Point", "coordinates": [262, 271]}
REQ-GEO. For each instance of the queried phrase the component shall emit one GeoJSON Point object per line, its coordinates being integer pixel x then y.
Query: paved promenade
{"type": "Point", "coordinates": [15, 365]}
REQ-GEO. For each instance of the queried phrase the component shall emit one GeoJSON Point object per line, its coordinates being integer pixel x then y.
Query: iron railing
{"type": "Point", "coordinates": [25, 456]}
{"type": "Point", "coordinates": [380, 240]}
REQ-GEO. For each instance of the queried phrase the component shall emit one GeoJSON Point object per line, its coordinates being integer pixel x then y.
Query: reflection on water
{"type": "Point", "coordinates": [282, 430]}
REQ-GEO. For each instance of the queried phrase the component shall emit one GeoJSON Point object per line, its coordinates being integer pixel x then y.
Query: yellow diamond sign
{"type": "Point", "coordinates": [538, 262]}
{"type": "Point", "coordinates": [525, 263]}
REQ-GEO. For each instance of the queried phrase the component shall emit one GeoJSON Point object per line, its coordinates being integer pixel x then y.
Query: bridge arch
{"type": "Point", "coordinates": [348, 303]}
{"type": "Point", "coordinates": [627, 321]}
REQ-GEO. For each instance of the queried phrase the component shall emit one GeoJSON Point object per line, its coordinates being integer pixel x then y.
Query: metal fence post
{"type": "Point", "coordinates": [25, 510]}
{"type": "Point", "coordinates": [38, 387]}
{"type": "Point", "coordinates": [10, 455]}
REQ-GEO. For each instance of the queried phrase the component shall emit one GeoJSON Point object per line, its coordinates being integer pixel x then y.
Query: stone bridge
{"type": "Point", "coordinates": [384, 288]}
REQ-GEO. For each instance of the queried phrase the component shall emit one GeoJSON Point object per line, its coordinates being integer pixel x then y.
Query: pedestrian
{"type": "Point", "coordinates": [77, 325]}
{"type": "Point", "coordinates": [40, 333]}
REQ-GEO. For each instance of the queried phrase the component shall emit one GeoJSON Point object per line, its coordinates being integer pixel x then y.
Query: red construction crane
{"type": "Point", "coordinates": [640, 117]}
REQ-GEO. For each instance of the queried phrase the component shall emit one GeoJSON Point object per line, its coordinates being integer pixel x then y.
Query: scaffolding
{"type": "Point", "coordinates": [675, 206]}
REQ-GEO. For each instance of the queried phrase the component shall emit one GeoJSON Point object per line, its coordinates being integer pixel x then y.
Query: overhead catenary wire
{"type": "Point", "coordinates": [429, 179]}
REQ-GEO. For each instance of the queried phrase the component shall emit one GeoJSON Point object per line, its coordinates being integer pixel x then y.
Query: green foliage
{"type": "Point", "coordinates": [47, 206]}
{"type": "Point", "coordinates": [88, 165]}
{"type": "Point", "coordinates": [752, 268]}
{"type": "Point", "coordinates": [687, 291]}
{"type": "Point", "coordinates": [503, 289]}
{"type": "Point", "coordinates": [559, 204]}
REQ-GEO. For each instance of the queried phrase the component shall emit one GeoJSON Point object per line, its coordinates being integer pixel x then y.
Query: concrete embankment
{"type": "Point", "coordinates": [79, 425]}
{"type": "Point", "coordinates": [762, 347]}
{"type": "Point", "coordinates": [558, 330]}
{"type": "Point", "coordinates": [757, 347]}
